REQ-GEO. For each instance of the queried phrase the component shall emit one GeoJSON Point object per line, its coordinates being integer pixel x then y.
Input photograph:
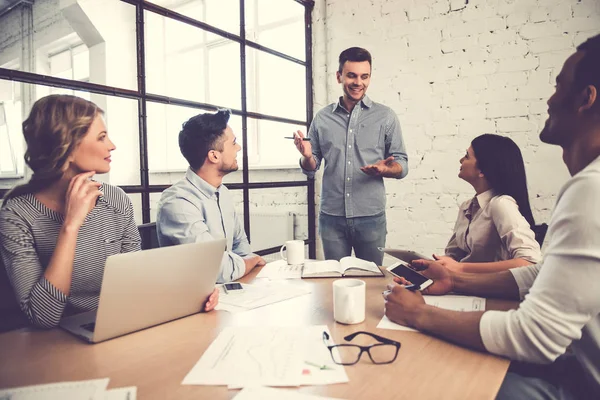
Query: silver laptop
{"type": "Point", "coordinates": [146, 288]}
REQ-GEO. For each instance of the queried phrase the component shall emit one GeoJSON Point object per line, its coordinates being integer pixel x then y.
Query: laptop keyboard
{"type": "Point", "coordinates": [89, 327]}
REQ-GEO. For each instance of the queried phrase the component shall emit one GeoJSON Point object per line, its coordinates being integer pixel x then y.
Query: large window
{"type": "Point", "coordinates": [11, 141]}
{"type": "Point", "coordinates": [151, 65]}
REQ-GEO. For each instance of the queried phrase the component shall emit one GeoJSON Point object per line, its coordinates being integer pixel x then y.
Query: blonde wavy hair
{"type": "Point", "coordinates": [55, 127]}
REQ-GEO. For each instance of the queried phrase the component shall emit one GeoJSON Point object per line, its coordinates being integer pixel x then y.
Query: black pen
{"type": "Point", "coordinates": [304, 138]}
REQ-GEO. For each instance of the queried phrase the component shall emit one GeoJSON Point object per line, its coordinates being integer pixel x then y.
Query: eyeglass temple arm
{"type": "Point", "coordinates": [379, 338]}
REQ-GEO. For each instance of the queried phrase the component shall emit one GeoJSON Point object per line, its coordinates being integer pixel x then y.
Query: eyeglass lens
{"type": "Point", "coordinates": [349, 354]}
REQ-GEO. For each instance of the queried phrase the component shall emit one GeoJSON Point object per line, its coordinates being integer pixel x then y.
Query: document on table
{"type": "Point", "coordinates": [280, 269]}
{"type": "Point", "coordinates": [268, 393]}
{"type": "Point", "coordinates": [266, 356]}
{"type": "Point", "coordinates": [447, 302]}
{"type": "Point", "coordinates": [92, 389]}
{"type": "Point", "coordinates": [259, 295]}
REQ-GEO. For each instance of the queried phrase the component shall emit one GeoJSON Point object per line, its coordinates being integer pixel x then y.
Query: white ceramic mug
{"type": "Point", "coordinates": [349, 300]}
{"type": "Point", "coordinates": [294, 251]}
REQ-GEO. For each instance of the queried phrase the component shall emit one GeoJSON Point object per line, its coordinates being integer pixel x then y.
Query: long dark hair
{"type": "Point", "coordinates": [500, 160]}
{"type": "Point", "coordinates": [55, 126]}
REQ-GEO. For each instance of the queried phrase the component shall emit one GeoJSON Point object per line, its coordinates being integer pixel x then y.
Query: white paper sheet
{"type": "Point", "coordinates": [267, 356]}
{"type": "Point", "coordinates": [281, 270]}
{"type": "Point", "coordinates": [259, 295]}
{"type": "Point", "coordinates": [447, 302]}
{"type": "Point", "coordinates": [78, 390]}
{"type": "Point", "coordinates": [251, 355]}
{"type": "Point", "coordinates": [267, 393]}
{"type": "Point", "coordinates": [125, 393]}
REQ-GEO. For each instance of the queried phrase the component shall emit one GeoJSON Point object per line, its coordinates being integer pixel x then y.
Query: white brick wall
{"type": "Point", "coordinates": [452, 70]}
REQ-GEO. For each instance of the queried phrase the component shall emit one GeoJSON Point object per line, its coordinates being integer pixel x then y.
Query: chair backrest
{"type": "Point", "coordinates": [148, 235]}
{"type": "Point", "coordinates": [540, 232]}
{"type": "Point", "coordinates": [11, 316]}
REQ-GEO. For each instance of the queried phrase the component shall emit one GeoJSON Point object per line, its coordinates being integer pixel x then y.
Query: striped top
{"type": "Point", "coordinates": [28, 234]}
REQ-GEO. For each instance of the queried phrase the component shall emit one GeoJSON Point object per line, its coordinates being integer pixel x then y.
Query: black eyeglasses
{"type": "Point", "coordinates": [384, 352]}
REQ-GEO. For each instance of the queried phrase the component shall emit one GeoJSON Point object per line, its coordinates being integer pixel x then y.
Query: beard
{"type": "Point", "coordinates": [226, 169]}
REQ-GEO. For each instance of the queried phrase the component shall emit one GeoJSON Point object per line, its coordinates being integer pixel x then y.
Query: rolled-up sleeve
{"type": "Point", "coordinates": [394, 143]}
{"type": "Point", "coordinates": [313, 134]}
{"type": "Point", "coordinates": [181, 222]}
{"type": "Point", "coordinates": [514, 231]}
{"type": "Point", "coordinates": [40, 301]}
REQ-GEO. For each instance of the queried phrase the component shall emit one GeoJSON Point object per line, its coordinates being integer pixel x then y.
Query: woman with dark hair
{"type": "Point", "coordinates": [57, 230]}
{"type": "Point", "coordinates": [493, 229]}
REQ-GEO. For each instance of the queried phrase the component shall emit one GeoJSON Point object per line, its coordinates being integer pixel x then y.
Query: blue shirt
{"type": "Point", "coordinates": [192, 210]}
{"type": "Point", "coordinates": [347, 142]}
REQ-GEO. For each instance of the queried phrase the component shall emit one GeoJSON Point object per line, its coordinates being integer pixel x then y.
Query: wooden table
{"type": "Point", "coordinates": [157, 359]}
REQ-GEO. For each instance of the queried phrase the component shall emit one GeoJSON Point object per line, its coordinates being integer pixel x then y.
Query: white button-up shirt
{"type": "Point", "coordinates": [491, 228]}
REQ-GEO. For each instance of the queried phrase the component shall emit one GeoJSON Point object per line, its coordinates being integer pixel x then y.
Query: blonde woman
{"type": "Point", "coordinates": [57, 230]}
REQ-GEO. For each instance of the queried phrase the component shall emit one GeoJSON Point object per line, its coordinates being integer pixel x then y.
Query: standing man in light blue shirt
{"type": "Point", "coordinates": [361, 143]}
{"type": "Point", "coordinates": [199, 207]}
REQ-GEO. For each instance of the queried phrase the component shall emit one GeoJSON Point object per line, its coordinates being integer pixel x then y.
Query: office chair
{"type": "Point", "coordinates": [148, 235]}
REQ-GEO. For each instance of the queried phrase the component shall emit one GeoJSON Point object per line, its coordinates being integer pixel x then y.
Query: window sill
{"type": "Point", "coordinates": [251, 168]}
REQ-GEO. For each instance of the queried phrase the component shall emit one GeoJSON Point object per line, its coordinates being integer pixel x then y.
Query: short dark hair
{"type": "Point", "coordinates": [201, 134]}
{"type": "Point", "coordinates": [587, 70]}
{"type": "Point", "coordinates": [356, 54]}
{"type": "Point", "coordinates": [501, 161]}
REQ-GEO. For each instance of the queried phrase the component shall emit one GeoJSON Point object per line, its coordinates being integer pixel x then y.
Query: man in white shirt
{"type": "Point", "coordinates": [561, 301]}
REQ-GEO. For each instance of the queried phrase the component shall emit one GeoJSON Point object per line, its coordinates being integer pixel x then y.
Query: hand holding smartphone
{"type": "Point", "coordinates": [402, 270]}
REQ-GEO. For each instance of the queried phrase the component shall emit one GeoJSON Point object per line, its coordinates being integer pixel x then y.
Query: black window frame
{"type": "Point", "coordinates": [142, 97]}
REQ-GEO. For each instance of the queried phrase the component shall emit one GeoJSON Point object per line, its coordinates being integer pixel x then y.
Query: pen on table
{"type": "Point", "coordinates": [291, 137]}
{"type": "Point", "coordinates": [320, 366]}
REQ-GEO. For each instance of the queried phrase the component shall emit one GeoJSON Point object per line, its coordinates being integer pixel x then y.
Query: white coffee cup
{"type": "Point", "coordinates": [349, 300]}
{"type": "Point", "coordinates": [294, 251]}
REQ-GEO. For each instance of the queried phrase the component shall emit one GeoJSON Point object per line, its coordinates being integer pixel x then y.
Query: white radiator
{"type": "Point", "coordinates": [270, 229]}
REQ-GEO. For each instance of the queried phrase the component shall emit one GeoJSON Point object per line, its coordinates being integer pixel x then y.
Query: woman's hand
{"type": "Point", "coordinates": [212, 301]}
{"type": "Point", "coordinates": [450, 263]}
{"type": "Point", "coordinates": [80, 199]}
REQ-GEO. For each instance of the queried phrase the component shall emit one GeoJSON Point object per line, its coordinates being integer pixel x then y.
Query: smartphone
{"type": "Point", "coordinates": [401, 270]}
{"type": "Point", "coordinates": [233, 287]}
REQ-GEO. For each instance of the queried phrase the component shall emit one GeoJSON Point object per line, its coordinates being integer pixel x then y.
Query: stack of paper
{"type": "Point", "coordinates": [267, 356]}
{"type": "Point", "coordinates": [78, 390]}
{"type": "Point", "coordinates": [447, 302]}
{"type": "Point", "coordinates": [259, 295]}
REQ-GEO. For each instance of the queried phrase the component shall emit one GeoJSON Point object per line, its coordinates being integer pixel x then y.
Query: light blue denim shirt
{"type": "Point", "coordinates": [192, 210]}
{"type": "Point", "coordinates": [348, 141]}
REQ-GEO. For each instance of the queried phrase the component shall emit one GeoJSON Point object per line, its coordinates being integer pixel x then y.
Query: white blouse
{"type": "Point", "coordinates": [491, 228]}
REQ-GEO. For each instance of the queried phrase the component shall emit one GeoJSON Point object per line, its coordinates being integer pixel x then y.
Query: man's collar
{"type": "Point", "coordinates": [204, 187]}
{"type": "Point", "coordinates": [364, 102]}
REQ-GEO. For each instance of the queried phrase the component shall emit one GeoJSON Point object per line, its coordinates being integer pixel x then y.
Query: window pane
{"type": "Point", "coordinates": [277, 24]}
{"type": "Point", "coordinates": [274, 157]}
{"type": "Point", "coordinates": [268, 77]}
{"type": "Point", "coordinates": [277, 215]}
{"type": "Point", "coordinates": [60, 65]}
{"type": "Point", "coordinates": [222, 14]}
{"type": "Point", "coordinates": [175, 59]}
{"type": "Point", "coordinates": [224, 79]}
{"type": "Point", "coordinates": [11, 137]}
{"type": "Point", "coordinates": [166, 163]}
{"type": "Point", "coordinates": [81, 63]}
{"type": "Point", "coordinates": [122, 122]}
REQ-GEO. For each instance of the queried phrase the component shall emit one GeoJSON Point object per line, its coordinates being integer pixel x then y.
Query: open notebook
{"type": "Point", "coordinates": [347, 266]}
